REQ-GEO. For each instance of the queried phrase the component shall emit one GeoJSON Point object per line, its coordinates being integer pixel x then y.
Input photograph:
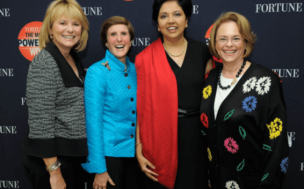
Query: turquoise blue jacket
{"type": "Point", "coordinates": [110, 108]}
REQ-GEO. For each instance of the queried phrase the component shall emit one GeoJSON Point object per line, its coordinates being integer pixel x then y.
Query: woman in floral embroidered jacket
{"type": "Point", "coordinates": [243, 113]}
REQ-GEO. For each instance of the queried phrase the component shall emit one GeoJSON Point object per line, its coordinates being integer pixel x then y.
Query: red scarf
{"type": "Point", "coordinates": [157, 111]}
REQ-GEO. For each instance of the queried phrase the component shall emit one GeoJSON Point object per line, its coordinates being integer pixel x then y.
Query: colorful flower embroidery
{"type": "Point", "coordinates": [263, 85]}
{"type": "Point", "coordinates": [204, 120]}
{"type": "Point", "coordinates": [241, 166]}
{"type": "Point", "coordinates": [209, 154]}
{"type": "Point", "coordinates": [232, 185]}
{"type": "Point", "coordinates": [207, 91]}
{"type": "Point", "coordinates": [206, 76]}
{"type": "Point", "coordinates": [275, 128]}
{"type": "Point", "coordinates": [249, 103]}
{"type": "Point", "coordinates": [231, 145]}
{"type": "Point", "coordinates": [228, 115]}
{"type": "Point", "coordinates": [284, 165]}
{"type": "Point", "coordinates": [265, 176]}
{"type": "Point", "coordinates": [242, 132]}
{"type": "Point", "coordinates": [249, 84]}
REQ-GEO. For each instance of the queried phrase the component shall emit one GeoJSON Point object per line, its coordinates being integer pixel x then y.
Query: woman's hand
{"type": "Point", "coordinates": [56, 180]}
{"type": "Point", "coordinates": [144, 164]}
{"type": "Point", "coordinates": [101, 180]}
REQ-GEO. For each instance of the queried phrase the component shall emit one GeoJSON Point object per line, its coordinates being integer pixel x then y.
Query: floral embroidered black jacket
{"type": "Point", "coordinates": [247, 143]}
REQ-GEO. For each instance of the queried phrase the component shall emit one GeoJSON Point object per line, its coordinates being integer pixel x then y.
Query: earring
{"type": "Point", "coordinates": [158, 29]}
{"type": "Point", "coordinates": [51, 36]}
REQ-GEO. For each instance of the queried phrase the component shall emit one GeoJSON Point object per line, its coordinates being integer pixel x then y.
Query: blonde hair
{"type": "Point", "coordinates": [244, 29]}
{"type": "Point", "coordinates": [55, 10]}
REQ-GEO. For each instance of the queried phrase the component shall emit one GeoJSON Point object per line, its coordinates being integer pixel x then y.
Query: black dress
{"type": "Point", "coordinates": [192, 160]}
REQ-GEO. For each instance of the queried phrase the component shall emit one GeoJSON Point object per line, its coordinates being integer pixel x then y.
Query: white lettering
{"type": "Point", "coordinates": [283, 5]}
{"type": "Point", "coordinates": [195, 9]}
{"type": "Point", "coordinates": [9, 184]}
{"type": "Point", "coordinates": [289, 73]}
{"type": "Point", "coordinates": [278, 7]}
{"type": "Point", "coordinates": [23, 101]}
{"type": "Point", "coordinates": [299, 7]}
{"type": "Point", "coordinates": [271, 7]}
{"type": "Point", "coordinates": [8, 130]}
{"type": "Point", "coordinates": [291, 137]}
{"type": "Point", "coordinates": [302, 166]}
{"type": "Point", "coordinates": [141, 42]}
{"type": "Point", "coordinates": [28, 43]}
{"type": "Point", "coordinates": [89, 11]}
{"type": "Point", "coordinates": [6, 72]}
{"type": "Point", "coordinates": [291, 6]}
{"type": "Point", "coordinates": [258, 7]}
{"type": "Point", "coordinates": [34, 51]}
{"type": "Point", "coordinates": [5, 12]}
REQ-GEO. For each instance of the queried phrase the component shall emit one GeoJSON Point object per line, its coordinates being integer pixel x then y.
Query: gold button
{"type": "Point", "coordinates": [129, 87]}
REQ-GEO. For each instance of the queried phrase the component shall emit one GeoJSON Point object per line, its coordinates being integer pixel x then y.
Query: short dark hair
{"type": "Point", "coordinates": [186, 5]}
{"type": "Point", "coordinates": [113, 21]}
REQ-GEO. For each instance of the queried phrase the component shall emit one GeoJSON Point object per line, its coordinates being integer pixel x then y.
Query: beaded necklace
{"type": "Point", "coordinates": [234, 80]}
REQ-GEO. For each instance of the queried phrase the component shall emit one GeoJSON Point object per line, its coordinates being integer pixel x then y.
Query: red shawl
{"type": "Point", "coordinates": [157, 111]}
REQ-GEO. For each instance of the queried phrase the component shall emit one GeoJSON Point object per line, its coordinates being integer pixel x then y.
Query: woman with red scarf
{"type": "Point", "coordinates": [170, 81]}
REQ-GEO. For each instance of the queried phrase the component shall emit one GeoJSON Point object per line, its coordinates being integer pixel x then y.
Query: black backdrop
{"type": "Point", "coordinates": [279, 26]}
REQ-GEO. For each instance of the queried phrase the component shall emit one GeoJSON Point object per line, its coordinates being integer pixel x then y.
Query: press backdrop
{"type": "Point", "coordinates": [279, 26]}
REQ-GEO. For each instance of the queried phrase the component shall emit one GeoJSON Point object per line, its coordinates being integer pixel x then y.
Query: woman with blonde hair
{"type": "Point", "coordinates": [56, 144]}
{"type": "Point", "coordinates": [243, 113]}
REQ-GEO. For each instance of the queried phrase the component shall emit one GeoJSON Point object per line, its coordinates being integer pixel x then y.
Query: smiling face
{"type": "Point", "coordinates": [172, 20]}
{"type": "Point", "coordinates": [230, 44]}
{"type": "Point", "coordinates": [118, 41]}
{"type": "Point", "coordinates": [66, 33]}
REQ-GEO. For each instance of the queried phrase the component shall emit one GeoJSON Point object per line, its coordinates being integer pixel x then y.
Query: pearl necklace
{"type": "Point", "coordinates": [178, 54]}
{"type": "Point", "coordinates": [234, 80]}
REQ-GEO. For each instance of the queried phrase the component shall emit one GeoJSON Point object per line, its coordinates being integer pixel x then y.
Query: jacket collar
{"type": "Point", "coordinates": [115, 63]}
{"type": "Point", "coordinates": [68, 76]}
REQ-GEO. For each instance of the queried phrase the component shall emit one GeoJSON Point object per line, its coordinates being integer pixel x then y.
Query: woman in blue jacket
{"type": "Point", "coordinates": [110, 107]}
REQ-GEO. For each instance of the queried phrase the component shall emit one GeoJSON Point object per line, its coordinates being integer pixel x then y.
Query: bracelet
{"type": "Point", "coordinates": [137, 143]}
{"type": "Point", "coordinates": [53, 167]}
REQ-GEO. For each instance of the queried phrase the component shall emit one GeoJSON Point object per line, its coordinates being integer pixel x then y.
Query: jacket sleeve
{"type": "Point", "coordinates": [41, 96]}
{"type": "Point", "coordinates": [275, 143]}
{"type": "Point", "coordinates": [94, 97]}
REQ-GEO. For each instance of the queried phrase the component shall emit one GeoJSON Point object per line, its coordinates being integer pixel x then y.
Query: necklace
{"type": "Point", "coordinates": [178, 54]}
{"type": "Point", "coordinates": [234, 80]}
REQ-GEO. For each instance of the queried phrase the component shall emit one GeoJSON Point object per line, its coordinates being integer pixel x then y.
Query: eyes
{"type": "Point", "coordinates": [175, 14]}
{"type": "Point", "coordinates": [122, 33]}
{"type": "Point", "coordinates": [63, 23]}
{"type": "Point", "coordinates": [233, 39]}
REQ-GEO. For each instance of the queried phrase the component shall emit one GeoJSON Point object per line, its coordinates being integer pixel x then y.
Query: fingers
{"type": "Point", "coordinates": [150, 164]}
{"type": "Point", "coordinates": [99, 186]}
{"type": "Point", "coordinates": [151, 177]}
{"type": "Point", "coordinates": [111, 181]}
{"type": "Point", "coordinates": [150, 173]}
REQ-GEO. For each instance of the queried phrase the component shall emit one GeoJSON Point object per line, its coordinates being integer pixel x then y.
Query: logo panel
{"type": "Point", "coordinates": [28, 40]}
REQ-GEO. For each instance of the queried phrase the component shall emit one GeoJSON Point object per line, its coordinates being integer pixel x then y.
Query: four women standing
{"type": "Point", "coordinates": [247, 145]}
